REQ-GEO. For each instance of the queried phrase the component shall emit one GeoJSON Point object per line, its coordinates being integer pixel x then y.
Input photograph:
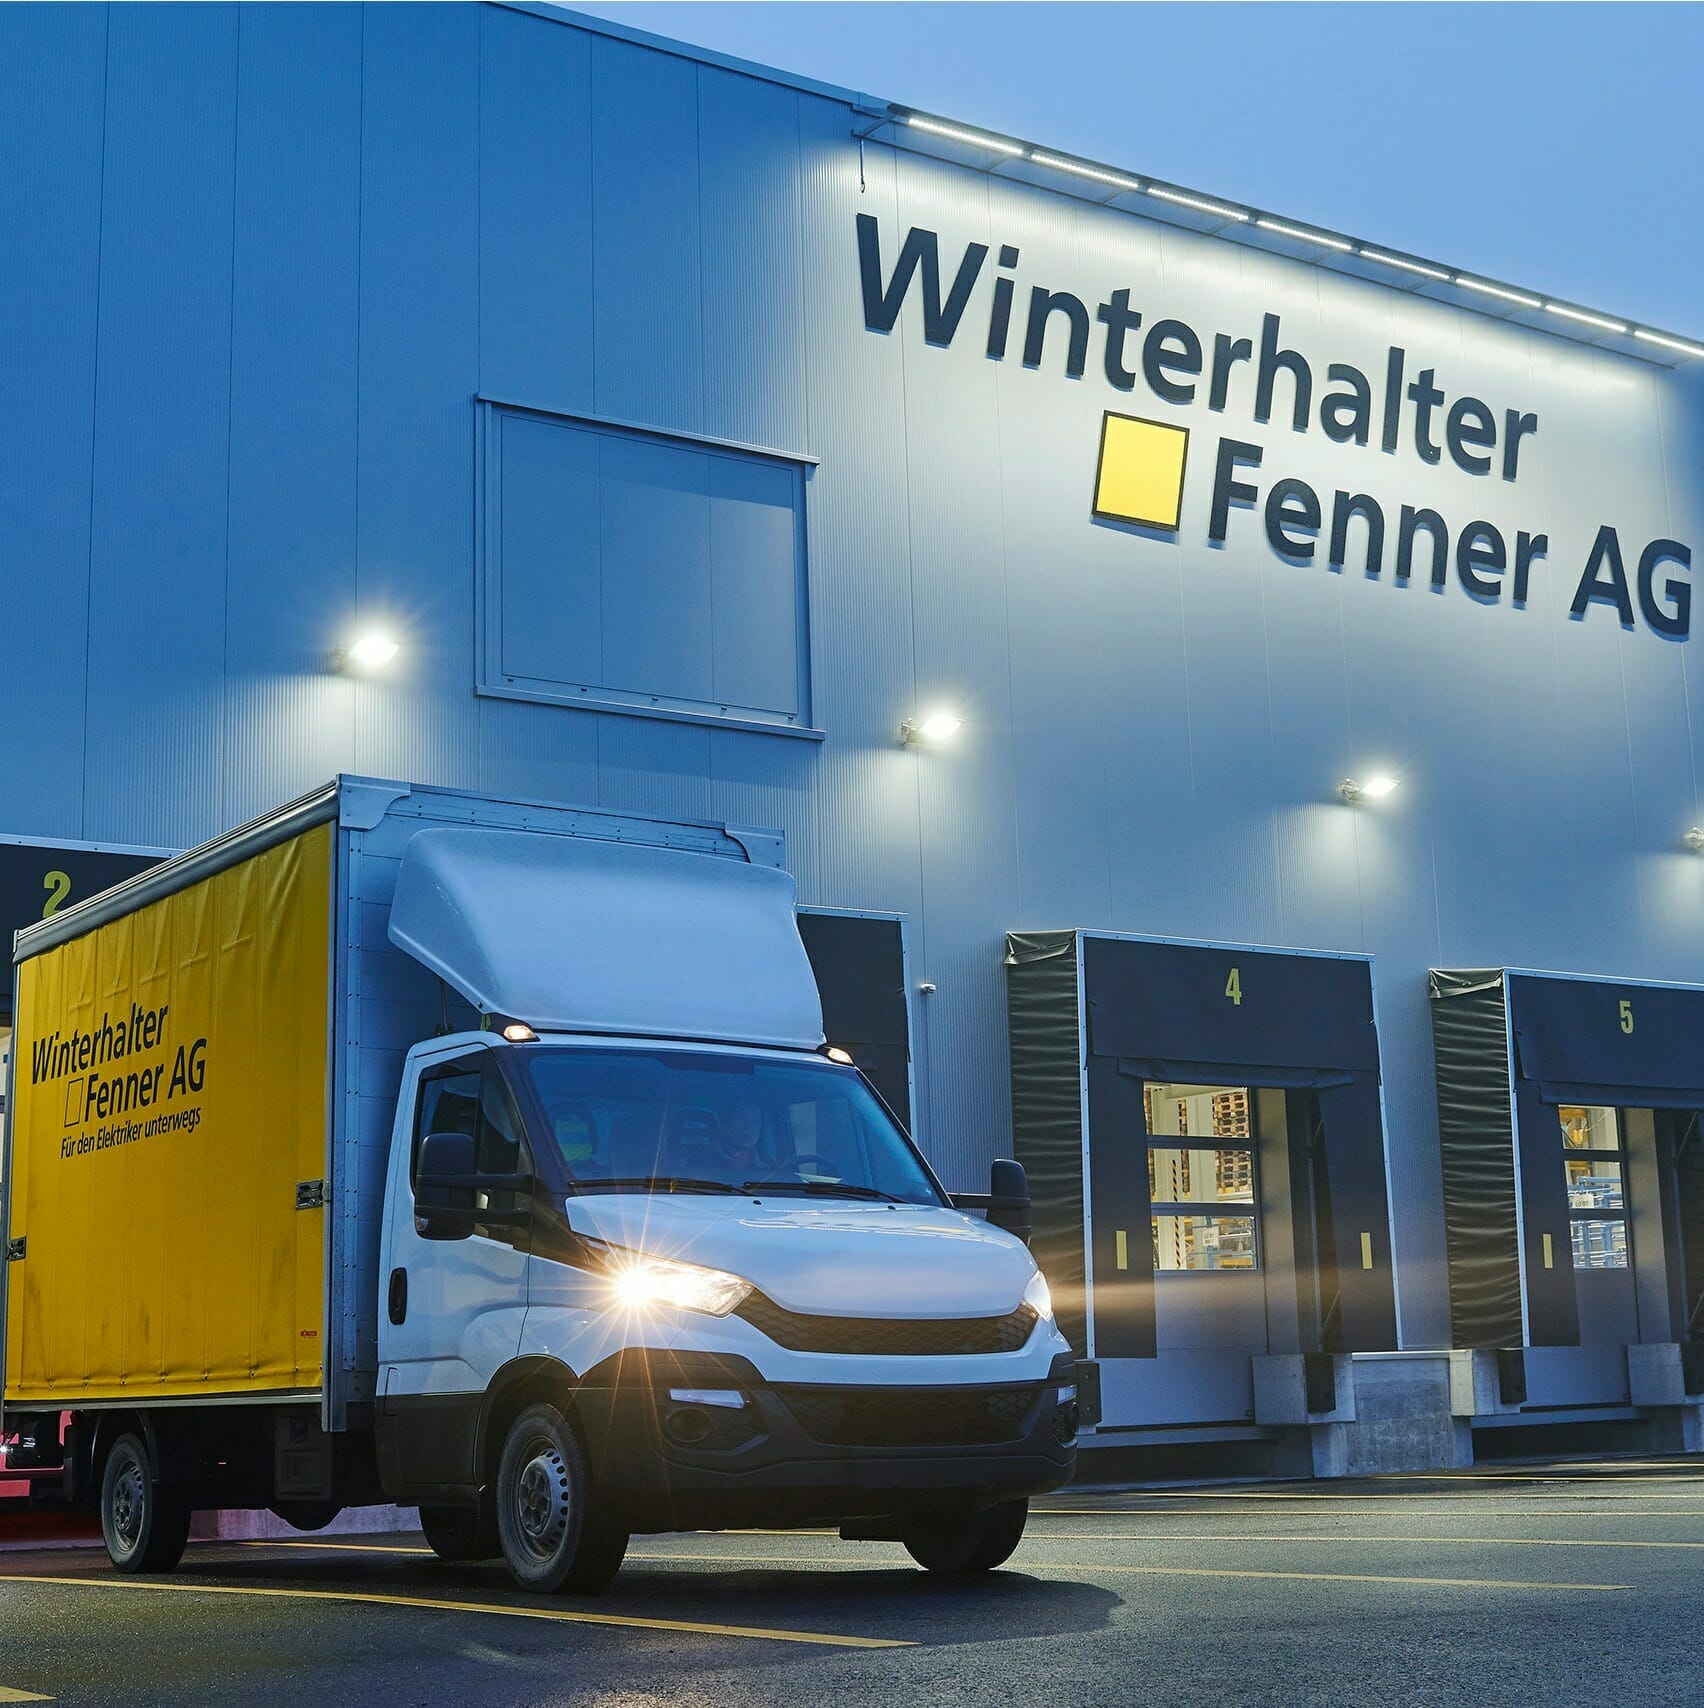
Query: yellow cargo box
{"type": "Point", "coordinates": [168, 1145]}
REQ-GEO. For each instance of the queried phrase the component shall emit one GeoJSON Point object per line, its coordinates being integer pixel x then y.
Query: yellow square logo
{"type": "Point", "coordinates": [1140, 477]}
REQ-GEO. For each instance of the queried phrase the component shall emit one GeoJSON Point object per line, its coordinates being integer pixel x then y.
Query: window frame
{"type": "Point", "coordinates": [1204, 1209]}
{"type": "Point", "coordinates": [485, 1064]}
{"type": "Point", "coordinates": [1617, 1155]}
{"type": "Point", "coordinates": [493, 682]}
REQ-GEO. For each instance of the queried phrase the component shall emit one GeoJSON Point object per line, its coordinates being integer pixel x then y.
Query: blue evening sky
{"type": "Point", "coordinates": [1555, 146]}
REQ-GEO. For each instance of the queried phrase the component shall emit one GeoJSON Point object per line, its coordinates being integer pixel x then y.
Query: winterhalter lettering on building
{"type": "Point", "coordinates": [1404, 411]}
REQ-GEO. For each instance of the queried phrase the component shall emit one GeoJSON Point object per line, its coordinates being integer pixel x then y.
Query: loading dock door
{"type": "Point", "coordinates": [39, 879]}
{"type": "Point", "coordinates": [1131, 1019]}
{"type": "Point", "coordinates": [859, 962]}
{"type": "Point", "coordinates": [1573, 1177]}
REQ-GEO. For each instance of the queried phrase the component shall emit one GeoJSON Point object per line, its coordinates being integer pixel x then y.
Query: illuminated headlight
{"type": "Point", "coordinates": [1038, 1297]}
{"type": "Point", "coordinates": [639, 1282]}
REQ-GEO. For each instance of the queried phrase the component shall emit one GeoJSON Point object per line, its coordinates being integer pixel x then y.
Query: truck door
{"type": "Point", "coordinates": [450, 1311]}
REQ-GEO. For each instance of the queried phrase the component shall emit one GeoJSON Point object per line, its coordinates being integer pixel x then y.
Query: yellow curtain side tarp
{"type": "Point", "coordinates": [169, 1094]}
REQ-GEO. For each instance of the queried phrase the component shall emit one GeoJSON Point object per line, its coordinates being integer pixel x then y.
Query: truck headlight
{"type": "Point", "coordinates": [1039, 1297]}
{"type": "Point", "coordinates": [639, 1281]}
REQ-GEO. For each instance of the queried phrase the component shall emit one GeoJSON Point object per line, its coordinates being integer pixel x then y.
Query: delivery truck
{"type": "Point", "coordinates": [409, 1145]}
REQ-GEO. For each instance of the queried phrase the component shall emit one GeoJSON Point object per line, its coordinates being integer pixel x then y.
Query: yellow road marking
{"type": "Point", "coordinates": [1541, 1516]}
{"type": "Point", "coordinates": [559, 1615]}
{"type": "Point", "coordinates": [1609, 1474]}
{"type": "Point", "coordinates": [1427, 1499]}
{"type": "Point", "coordinates": [1155, 1571]}
{"type": "Point", "coordinates": [10, 1693]}
{"type": "Point", "coordinates": [1357, 1541]}
{"type": "Point", "coordinates": [331, 1547]}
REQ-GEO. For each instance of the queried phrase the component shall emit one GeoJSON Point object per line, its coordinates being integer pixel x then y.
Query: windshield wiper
{"type": "Point", "coordinates": [823, 1188]}
{"type": "Point", "coordinates": [656, 1183]}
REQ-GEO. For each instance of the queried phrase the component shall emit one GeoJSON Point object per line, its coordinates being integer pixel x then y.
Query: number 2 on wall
{"type": "Point", "coordinates": [1233, 986]}
{"type": "Point", "coordinates": [58, 887]}
{"type": "Point", "coordinates": [1626, 1015]}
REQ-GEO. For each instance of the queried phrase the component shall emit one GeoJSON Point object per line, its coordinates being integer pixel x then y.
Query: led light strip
{"type": "Point", "coordinates": [1588, 319]}
{"type": "Point", "coordinates": [1480, 285]}
{"type": "Point", "coordinates": [1669, 343]}
{"type": "Point", "coordinates": [1094, 172]}
{"type": "Point", "coordinates": [1201, 204]}
{"type": "Point", "coordinates": [1306, 236]}
{"type": "Point", "coordinates": [1407, 266]}
{"type": "Point", "coordinates": [960, 135]}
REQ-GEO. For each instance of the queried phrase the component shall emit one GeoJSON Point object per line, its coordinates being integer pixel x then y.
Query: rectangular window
{"type": "Point", "coordinates": [1592, 1161]}
{"type": "Point", "coordinates": [1201, 1153]}
{"type": "Point", "coordinates": [641, 572]}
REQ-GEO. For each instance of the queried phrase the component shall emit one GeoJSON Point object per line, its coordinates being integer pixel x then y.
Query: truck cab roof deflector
{"type": "Point", "coordinates": [577, 935]}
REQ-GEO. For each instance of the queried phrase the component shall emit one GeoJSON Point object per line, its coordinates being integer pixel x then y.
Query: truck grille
{"type": "Point", "coordinates": [889, 1417]}
{"type": "Point", "coordinates": [890, 1337]}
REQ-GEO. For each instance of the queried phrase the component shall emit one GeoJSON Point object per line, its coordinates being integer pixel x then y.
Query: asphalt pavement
{"type": "Point", "coordinates": [1513, 1584]}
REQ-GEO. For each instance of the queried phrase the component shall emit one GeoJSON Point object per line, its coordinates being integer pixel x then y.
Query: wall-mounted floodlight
{"type": "Point", "coordinates": [1695, 839]}
{"type": "Point", "coordinates": [370, 651]}
{"type": "Point", "coordinates": [1375, 788]}
{"type": "Point", "coordinates": [936, 728]}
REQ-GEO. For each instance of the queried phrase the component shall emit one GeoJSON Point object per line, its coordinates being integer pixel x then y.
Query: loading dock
{"type": "Point", "coordinates": [1202, 1126]}
{"type": "Point", "coordinates": [860, 962]}
{"type": "Point", "coordinates": [1569, 1123]}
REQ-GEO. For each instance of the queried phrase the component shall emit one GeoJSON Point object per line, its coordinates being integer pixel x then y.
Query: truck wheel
{"type": "Point", "coordinates": [964, 1543]}
{"type": "Point", "coordinates": [144, 1522]}
{"type": "Point", "coordinates": [554, 1535]}
{"type": "Point", "coordinates": [461, 1532]}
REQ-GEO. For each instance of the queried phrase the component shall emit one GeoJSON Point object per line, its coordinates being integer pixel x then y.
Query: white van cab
{"type": "Point", "coordinates": [771, 1310]}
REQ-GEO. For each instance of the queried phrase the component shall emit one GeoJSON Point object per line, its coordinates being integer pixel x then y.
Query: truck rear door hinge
{"type": "Point", "coordinates": [15, 1248]}
{"type": "Point", "coordinates": [310, 1194]}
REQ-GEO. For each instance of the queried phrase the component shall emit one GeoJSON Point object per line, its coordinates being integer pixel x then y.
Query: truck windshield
{"type": "Point", "coordinates": [682, 1120]}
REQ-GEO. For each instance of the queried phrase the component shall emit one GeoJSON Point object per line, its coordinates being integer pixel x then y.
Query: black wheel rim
{"type": "Point", "coordinates": [129, 1506]}
{"type": "Point", "coordinates": [542, 1500]}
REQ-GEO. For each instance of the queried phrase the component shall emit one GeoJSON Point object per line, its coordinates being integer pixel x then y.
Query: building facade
{"type": "Point", "coordinates": [692, 427]}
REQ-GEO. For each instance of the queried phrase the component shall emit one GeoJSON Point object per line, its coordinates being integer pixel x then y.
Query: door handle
{"type": "Point", "coordinates": [398, 1295]}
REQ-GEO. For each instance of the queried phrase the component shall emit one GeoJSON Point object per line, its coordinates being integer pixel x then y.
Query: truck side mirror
{"type": "Point", "coordinates": [1009, 1198]}
{"type": "Point", "coordinates": [443, 1206]}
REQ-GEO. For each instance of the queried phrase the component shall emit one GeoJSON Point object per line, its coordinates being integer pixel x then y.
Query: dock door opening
{"type": "Point", "coordinates": [1568, 1115]}
{"type": "Point", "coordinates": [1203, 1132]}
{"type": "Point", "coordinates": [860, 964]}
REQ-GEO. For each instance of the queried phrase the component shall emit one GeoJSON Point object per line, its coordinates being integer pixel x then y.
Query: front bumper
{"type": "Point", "coordinates": [792, 1454]}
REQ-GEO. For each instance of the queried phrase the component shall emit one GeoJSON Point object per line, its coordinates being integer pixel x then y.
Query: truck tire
{"type": "Point", "coordinates": [144, 1522]}
{"type": "Point", "coordinates": [966, 1543]}
{"type": "Point", "coordinates": [461, 1532]}
{"type": "Point", "coordinates": [555, 1535]}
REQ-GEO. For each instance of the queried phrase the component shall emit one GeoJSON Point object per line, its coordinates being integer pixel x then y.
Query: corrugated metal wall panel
{"type": "Point", "coordinates": [752, 280]}
{"type": "Point", "coordinates": [1661, 755]}
{"type": "Point", "coordinates": [863, 674]}
{"type": "Point", "coordinates": [1301, 636]}
{"type": "Point", "coordinates": [52, 123]}
{"type": "Point", "coordinates": [965, 794]}
{"type": "Point", "coordinates": [648, 766]}
{"type": "Point", "coordinates": [162, 417]}
{"type": "Point", "coordinates": [419, 372]}
{"type": "Point", "coordinates": [1062, 747]}
{"type": "Point", "coordinates": [535, 212]}
{"type": "Point", "coordinates": [289, 720]}
{"type": "Point", "coordinates": [646, 237]}
{"type": "Point", "coordinates": [545, 753]}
